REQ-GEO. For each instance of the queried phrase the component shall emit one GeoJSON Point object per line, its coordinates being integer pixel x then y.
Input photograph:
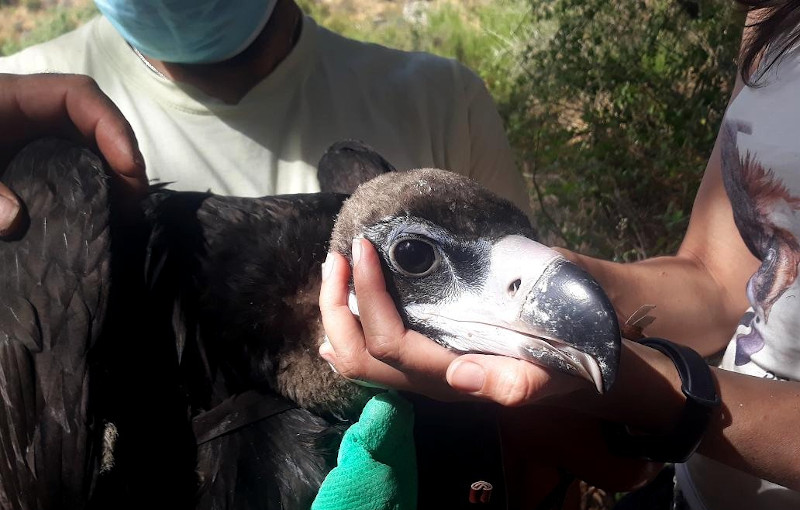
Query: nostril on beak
{"type": "Point", "coordinates": [514, 287]}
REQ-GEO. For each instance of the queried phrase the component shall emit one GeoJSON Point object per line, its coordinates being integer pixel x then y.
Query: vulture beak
{"type": "Point", "coordinates": [534, 305]}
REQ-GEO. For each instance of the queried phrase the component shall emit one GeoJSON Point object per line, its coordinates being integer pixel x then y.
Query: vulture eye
{"type": "Point", "coordinates": [414, 257]}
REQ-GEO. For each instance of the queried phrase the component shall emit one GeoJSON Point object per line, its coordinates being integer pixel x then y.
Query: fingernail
{"type": "Point", "coordinates": [327, 353]}
{"type": "Point", "coordinates": [327, 266]}
{"type": "Point", "coordinates": [8, 212]}
{"type": "Point", "coordinates": [466, 376]}
{"type": "Point", "coordinates": [356, 250]}
{"type": "Point", "coordinates": [325, 348]}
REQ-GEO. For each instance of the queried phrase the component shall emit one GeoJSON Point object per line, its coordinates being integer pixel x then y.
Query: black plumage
{"type": "Point", "coordinates": [348, 164]}
{"type": "Point", "coordinates": [51, 312]}
{"type": "Point", "coordinates": [247, 326]}
{"type": "Point", "coordinates": [182, 334]}
{"type": "Point", "coordinates": [88, 374]}
{"type": "Point", "coordinates": [165, 349]}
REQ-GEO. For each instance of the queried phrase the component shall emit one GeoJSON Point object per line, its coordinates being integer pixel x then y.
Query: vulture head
{"type": "Point", "coordinates": [463, 268]}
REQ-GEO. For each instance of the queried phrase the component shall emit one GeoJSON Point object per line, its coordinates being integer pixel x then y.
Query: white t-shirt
{"type": "Point", "coordinates": [416, 109]}
{"type": "Point", "coordinates": [761, 169]}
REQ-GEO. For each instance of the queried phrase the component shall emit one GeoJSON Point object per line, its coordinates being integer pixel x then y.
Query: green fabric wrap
{"type": "Point", "coordinates": [377, 465]}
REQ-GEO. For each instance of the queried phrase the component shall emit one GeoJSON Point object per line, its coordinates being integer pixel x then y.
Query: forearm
{"type": "Point", "coordinates": [753, 430]}
{"type": "Point", "coordinates": [756, 428]}
{"type": "Point", "coordinates": [691, 307]}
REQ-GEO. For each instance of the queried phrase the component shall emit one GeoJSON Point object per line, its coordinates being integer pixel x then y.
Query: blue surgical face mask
{"type": "Point", "coordinates": [190, 31]}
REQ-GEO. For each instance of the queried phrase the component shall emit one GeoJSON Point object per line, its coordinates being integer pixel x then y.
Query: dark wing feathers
{"type": "Point", "coordinates": [233, 268]}
{"type": "Point", "coordinates": [237, 264]}
{"type": "Point", "coordinates": [18, 420]}
{"type": "Point", "coordinates": [221, 281]}
{"type": "Point", "coordinates": [276, 463]}
{"type": "Point", "coordinates": [81, 359]}
{"type": "Point", "coordinates": [52, 305]}
{"type": "Point", "coordinates": [347, 164]}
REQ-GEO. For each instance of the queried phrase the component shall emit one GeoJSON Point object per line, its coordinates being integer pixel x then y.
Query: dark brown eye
{"type": "Point", "coordinates": [414, 257]}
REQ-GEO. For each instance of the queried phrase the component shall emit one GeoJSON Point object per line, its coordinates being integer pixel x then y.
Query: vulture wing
{"type": "Point", "coordinates": [90, 411]}
{"type": "Point", "coordinates": [53, 294]}
{"type": "Point", "coordinates": [347, 164]}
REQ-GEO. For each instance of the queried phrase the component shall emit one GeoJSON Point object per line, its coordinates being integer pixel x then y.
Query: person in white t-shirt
{"type": "Point", "coordinates": [242, 98]}
{"type": "Point", "coordinates": [734, 276]}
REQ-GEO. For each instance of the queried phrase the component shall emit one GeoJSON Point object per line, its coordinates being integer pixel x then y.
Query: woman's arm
{"type": "Point", "coordinates": [753, 430]}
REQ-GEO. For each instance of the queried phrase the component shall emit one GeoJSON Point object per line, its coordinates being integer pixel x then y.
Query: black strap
{"type": "Point", "coordinates": [702, 399]}
{"type": "Point", "coordinates": [236, 412]}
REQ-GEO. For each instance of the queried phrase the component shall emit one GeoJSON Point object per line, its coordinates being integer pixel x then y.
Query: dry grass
{"type": "Point", "coordinates": [361, 11]}
{"type": "Point", "coordinates": [24, 22]}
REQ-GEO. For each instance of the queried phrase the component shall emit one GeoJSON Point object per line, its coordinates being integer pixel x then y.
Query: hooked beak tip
{"type": "Point", "coordinates": [573, 310]}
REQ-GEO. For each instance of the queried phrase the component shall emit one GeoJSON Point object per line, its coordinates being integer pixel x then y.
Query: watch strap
{"type": "Point", "coordinates": [698, 385]}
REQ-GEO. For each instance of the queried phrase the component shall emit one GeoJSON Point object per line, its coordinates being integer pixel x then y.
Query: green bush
{"type": "Point", "coordinates": [615, 116]}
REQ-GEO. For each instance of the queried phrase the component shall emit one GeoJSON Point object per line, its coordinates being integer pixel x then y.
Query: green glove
{"type": "Point", "coordinates": [377, 465]}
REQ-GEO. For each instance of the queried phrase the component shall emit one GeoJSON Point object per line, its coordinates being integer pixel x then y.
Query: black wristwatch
{"type": "Point", "coordinates": [702, 399]}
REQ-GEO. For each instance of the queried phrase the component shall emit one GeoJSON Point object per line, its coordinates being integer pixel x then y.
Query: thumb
{"type": "Point", "coordinates": [507, 381]}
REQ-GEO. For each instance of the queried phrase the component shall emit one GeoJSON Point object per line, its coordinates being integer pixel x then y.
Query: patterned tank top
{"type": "Point", "coordinates": [760, 142]}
